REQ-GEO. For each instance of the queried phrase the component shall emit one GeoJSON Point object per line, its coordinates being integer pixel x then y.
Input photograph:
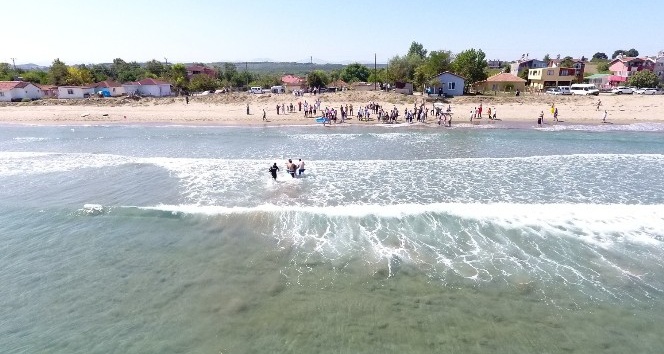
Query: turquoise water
{"type": "Point", "coordinates": [174, 239]}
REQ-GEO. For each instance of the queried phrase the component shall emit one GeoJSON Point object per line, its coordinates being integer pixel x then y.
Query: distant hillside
{"type": "Point", "coordinates": [286, 67]}
{"type": "Point", "coordinates": [31, 67]}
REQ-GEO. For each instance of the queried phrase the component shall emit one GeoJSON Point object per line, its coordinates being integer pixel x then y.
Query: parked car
{"type": "Point", "coordinates": [565, 90]}
{"type": "Point", "coordinates": [646, 91]}
{"type": "Point", "coordinates": [553, 91]}
{"type": "Point", "coordinates": [584, 89]}
{"type": "Point", "coordinates": [622, 89]}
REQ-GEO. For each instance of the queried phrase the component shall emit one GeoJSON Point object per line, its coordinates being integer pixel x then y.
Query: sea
{"type": "Point", "coordinates": [396, 239]}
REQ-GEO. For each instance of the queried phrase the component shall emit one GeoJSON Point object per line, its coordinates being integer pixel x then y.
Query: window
{"type": "Point", "coordinates": [549, 72]}
{"type": "Point", "coordinates": [70, 91]}
{"type": "Point", "coordinates": [451, 85]}
{"type": "Point", "coordinates": [2, 94]}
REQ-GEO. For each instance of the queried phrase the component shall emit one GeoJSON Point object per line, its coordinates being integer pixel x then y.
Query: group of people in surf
{"type": "Point", "coordinates": [291, 167]}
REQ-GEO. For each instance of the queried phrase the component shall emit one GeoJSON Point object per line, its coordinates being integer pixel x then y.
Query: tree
{"type": "Point", "coordinates": [603, 67]}
{"type": "Point", "coordinates": [355, 72]}
{"type": "Point", "coordinates": [547, 58]}
{"type": "Point", "coordinates": [471, 64]}
{"type": "Point", "coordinates": [628, 53]}
{"type": "Point", "coordinates": [507, 68]}
{"type": "Point", "coordinates": [600, 56]}
{"type": "Point", "coordinates": [230, 71]}
{"type": "Point", "coordinates": [437, 62]}
{"type": "Point", "coordinates": [57, 73]}
{"type": "Point", "coordinates": [417, 49]}
{"type": "Point", "coordinates": [100, 72]}
{"type": "Point", "coordinates": [632, 53]}
{"type": "Point", "coordinates": [567, 62]}
{"type": "Point", "coordinates": [379, 76]}
{"type": "Point", "coordinates": [317, 78]}
{"type": "Point", "coordinates": [202, 82]}
{"type": "Point", "coordinates": [643, 78]}
{"type": "Point", "coordinates": [36, 76]}
{"type": "Point", "coordinates": [177, 75]}
{"type": "Point", "coordinates": [155, 68]}
{"type": "Point", "coordinates": [78, 75]}
{"type": "Point", "coordinates": [523, 74]}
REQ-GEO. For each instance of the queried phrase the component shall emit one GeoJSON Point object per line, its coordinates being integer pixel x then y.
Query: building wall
{"type": "Point", "coordinates": [452, 85]}
{"type": "Point", "coordinates": [77, 92]}
{"type": "Point", "coordinates": [545, 77]}
{"type": "Point", "coordinates": [155, 90]}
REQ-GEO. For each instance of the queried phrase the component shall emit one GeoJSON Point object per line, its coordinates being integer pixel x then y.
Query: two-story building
{"type": "Point", "coordinates": [200, 69]}
{"type": "Point", "coordinates": [625, 67]}
{"type": "Point", "coordinates": [543, 78]}
{"type": "Point", "coordinates": [578, 64]}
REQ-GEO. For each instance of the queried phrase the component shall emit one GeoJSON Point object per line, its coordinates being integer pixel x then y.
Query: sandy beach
{"type": "Point", "coordinates": [230, 109]}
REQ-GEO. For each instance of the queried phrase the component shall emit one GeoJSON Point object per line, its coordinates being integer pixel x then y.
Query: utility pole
{"type": "Point", "coordinates": [375, 74]}
{"type": "Point", "coordinates": [166, 60]}
{"type": "Point", "coordinates": [14, 63]}
{"type": "Point", "coordinates": [246, 73]}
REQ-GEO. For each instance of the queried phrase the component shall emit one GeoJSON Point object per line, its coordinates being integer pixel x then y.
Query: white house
{"type": "Point", "coordinates": [452, 84]}
{"type": "Point", "coordinates": [75, 91]}
{"type": "Point", "coordinates": [109, 88]}
{"type": "Point", "coordinates": [18, 90]}
{"type": "Point", "coordinates": [148, 87]}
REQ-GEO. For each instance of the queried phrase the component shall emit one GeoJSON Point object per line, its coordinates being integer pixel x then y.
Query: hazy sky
{"type": "Point", "coordinates": [37, 31]}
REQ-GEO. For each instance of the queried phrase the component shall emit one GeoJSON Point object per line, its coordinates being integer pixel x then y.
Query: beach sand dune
{"type": "Point", "coordinates": [230, 109]}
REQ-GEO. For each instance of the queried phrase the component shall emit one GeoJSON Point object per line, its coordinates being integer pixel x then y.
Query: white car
{"type": "Point", "coordinates": [622, 89]}
{"type": "Point", "coordinates": [646, 91]}
{"type": "Point", "coordinates": [553, 91]}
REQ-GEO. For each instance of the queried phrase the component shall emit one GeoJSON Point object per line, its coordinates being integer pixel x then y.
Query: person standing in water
{"type": "Point", "coordinates": [540, 118]}
{"type": "Point", "coordinates": [273, 171]}
{"type": "Point", "coordinates": [300, 168]}
{"type": "Point", "coordinates": [290, 167]}
{"type": "Point", "coordinates": [604, 118]}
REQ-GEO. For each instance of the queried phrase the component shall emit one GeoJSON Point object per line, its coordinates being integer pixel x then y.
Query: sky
{"type": "Point", "coordinates": [338, 31]}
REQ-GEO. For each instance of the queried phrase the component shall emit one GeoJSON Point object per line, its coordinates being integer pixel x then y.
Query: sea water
{"type": "Point", "coordinates": [175, 239]}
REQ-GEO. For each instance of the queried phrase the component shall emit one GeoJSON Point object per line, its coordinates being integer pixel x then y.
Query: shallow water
{"type": "Point", "coordinates": [395, 239]}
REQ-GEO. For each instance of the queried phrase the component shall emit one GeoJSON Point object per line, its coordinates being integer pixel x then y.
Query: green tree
{"type": "Point", "coordinates": [379, 76]}
{"type": "Point", "coordinates": [599, 56]}
{"type": "Point", "coordinates": [417, 49]}
{"type": "Point", "coordinates": [36, 76]}
{"type": "Point", "coordinates": [155, 68]}
{"type": "Point", "coordinates": [100, 72]}
{"type": "Point", "coordinates": [355, 72]}
{"type": "Point", "coordinates": [57, 73]}
{"type": "Point", "coordinates": [177, 76]}
{"type": "Point", "coordinates": [437, 62]}
{"type": "Point", "coordinates": [547, 58]}
{"type": "Point", "coordinates": [78, 75]}
{"type": "Point", "coordinates": [471, 64]}
{"type": "Point", "coordinates": [507, 67]}
{"type": "Point", "coordinates": [603, 67]}
{"type": "Point", "coordinates": [402, 68]}
{"type": "Point", "coordinates": [317, 78]}
{"type": "Point", "coordinates": [202, 82]}
{"type": "Point", "coordinates": [632, 53]}
{"type": "Point", "coordinates": [567, 62]}
{"type": "Point", "coordinates": [230, 71]}
{"type": "Point", "coordinates": [6, 72]}
{"type": "Point", "coordinates": [523, 74]}
{"type": "Point", "coordinates": [644, 78]}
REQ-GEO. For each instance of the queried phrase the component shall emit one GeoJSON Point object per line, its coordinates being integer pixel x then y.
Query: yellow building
{"type": "Point", "coordinates": [503, 82]}
{"type": "Point", "coordinates": [542, 78]}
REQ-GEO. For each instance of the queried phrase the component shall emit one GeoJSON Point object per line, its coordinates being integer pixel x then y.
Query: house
{"type": "Point", "coordinates": [48, 91]}
{"type": "Point", "coordinates": [543, 78]}
{"type": "Point", "coordinates": [495, 64]}
{"type": "Point", "coordinates": [501, 82]}
{"type": "Point", "coordinates": [14, 91]}
{"type": "Point", "coordinates": [526, 64]}
{"type": "Point", "coordinates": [148, 87]}
{"type": "Point", "coordinates": [109, 88]}
{"type": "Point", "coordinates": [578, 64]}
{"type": "Point", "coordinates": [451, 83]}
{"type": "Point", "coordinates": [599, 80]}
{"type": "Point", "coordinates": [405, 88]}
{"type": "Point", "coordinates": [659, 66]}
{"type": "Point", "coordinates": [340, 85]}
{"type": "Point", "coordinates": [294, 82]}
{"type": "Point", "coordinates": [75, 91]}
{"type": "Point", "coordinates": [627, 66]}
{"type": "Point", "coordinates": [200, 69]}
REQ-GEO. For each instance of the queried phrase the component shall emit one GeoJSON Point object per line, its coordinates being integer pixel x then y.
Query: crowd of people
{"type": "Point", "coordinates": [291, 167]}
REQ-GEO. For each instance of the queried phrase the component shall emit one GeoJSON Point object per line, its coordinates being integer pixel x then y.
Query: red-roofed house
{"type": "Point", "coordinates": [294, 81]}
{"type": "Point", "coordinates": [148, 87]}
{"type": "Point", "coordinates": [627, 66]}
{"type": "Point", "coordinates": [200, 69]}
{"type": "Point", "coordinates": [12, 91]}
{"type": "Point", "coordinates": [501, 82]}
{"type": "Point", "coordinates": [48, 91]}
{"type": "Point", "coordinates": [109, 88]}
